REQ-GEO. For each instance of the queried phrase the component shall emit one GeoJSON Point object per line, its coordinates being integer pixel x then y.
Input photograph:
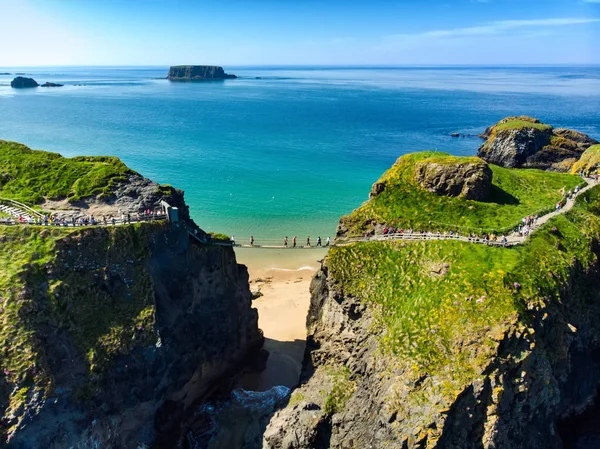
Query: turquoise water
{"type": "Point", "coordinates": [283, 151]}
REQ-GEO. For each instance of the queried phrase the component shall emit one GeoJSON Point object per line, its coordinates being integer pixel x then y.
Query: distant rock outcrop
{"type": "Point", "coordinates": [526, 142]}
{"type": "Point", "coordinates": [470, 179]}
{"type": "Point", "coordinates": [21, 82]}
{"type": "Point", "coordinates": [47, 84]}
{"type": "Point", "coordinates": [197, 73]}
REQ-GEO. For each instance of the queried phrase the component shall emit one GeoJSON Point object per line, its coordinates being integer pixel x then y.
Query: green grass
{"type": "Point", "coordinates": [445, 305]}
{"type": "Point", "coordinates": [31, 176]}
{"type": "Point", "coordinates": [516, 193]}
{"type": "Point", "coordinates": [520, 124]}
{"type": "Point", "coordinates": [589, 161]}
{"type": "Point", "coordinates": [219, 236]}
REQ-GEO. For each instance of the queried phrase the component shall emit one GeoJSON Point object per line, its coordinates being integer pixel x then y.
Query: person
{"type": "Point", "coordinates": [294, 242]}
{"type": "Point", "coordinates": [308, 241]}
{"type": "Point", "coordinates": [319, 241]}
{"type": "Point", "coordinates": [251, 240]}
{"type": "Point", "coordinates": [328, 241]}
{"type": "Point", "coordinates": [285, 242]}
{"type": "Point", "coordinates": [233, 240]}
{"type": "Point", "coordinates": [113, 219]}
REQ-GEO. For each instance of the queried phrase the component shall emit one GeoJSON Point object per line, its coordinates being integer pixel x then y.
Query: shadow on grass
{"type": "Point", "coordinates": [502, 197]}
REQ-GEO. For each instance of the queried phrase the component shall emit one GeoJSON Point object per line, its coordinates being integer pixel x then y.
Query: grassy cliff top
{"type": "Point", "coordinates": [520, 123]}
{"type": "Point", "coordinates": [31, 176]}
{"type": "Point", "coordinates": [589, 161]}
{"type": "Point", "coordinates": [403, 203]}
{"type": "Point", "coordinates": [444, 306]}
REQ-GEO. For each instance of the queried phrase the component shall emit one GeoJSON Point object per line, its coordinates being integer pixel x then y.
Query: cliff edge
{"type": "Point", "coordinates": [448, 344]}
{"type": "Point", "coordinates": [109, 335]}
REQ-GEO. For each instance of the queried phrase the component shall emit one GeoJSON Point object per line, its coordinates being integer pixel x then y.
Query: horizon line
{"type": "Point", "coordinates": [408, 65]}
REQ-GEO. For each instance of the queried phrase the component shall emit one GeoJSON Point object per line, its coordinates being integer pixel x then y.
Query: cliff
{"type": "Point", "coordinates": [197, 73]}
{"type": "Point", "coordinates": [111, 335]}
{"type": "Point", "coordinates": [526, 142]}
{"type": "Point", "coordinates": [449, 344]}
{"type": "Point", "coordinates": [86, 184]}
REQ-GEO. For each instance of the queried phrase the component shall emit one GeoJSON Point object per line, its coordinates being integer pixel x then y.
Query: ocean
{"type": "Point", "coordinates": [283, 150]}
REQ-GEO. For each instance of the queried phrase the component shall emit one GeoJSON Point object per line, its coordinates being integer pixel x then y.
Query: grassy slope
{"type": "Point", "coordinates": [404, 203]}
{"type": "Point", "coordinates": [30, 176]}
{"type": "Point", "coordinates": [445, 305]}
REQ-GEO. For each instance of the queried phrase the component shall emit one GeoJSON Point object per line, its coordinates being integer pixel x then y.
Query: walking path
{"type": "Point", "coordinates": [21, 214]}
{"type": "Point", "coordinates": [510, 240]}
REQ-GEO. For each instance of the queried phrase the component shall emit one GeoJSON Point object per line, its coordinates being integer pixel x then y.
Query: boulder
{"type": "Point", "coordinates": [197, 73]}
{"type": "Point", "coordinates": [470, 179]}
{"type": "Point", "coordinates": [527, 142]}
{"type": "Point", "coordinates": [21, 82]}
{"type": "Point", "coordinates": [47, 84]}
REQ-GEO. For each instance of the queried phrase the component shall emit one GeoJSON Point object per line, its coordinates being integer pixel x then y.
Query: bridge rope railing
{"type": "Point", "coordinates": [18, 205]}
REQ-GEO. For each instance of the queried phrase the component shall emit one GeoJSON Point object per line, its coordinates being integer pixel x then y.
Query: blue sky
{"type": "Point", "coordinates": [303, 32]}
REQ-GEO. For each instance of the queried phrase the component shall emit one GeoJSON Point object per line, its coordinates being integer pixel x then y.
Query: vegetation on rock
{"type": "Point", "coordinates": [526, 142]}
{"type": "Point", "coordinates": [404, 203]}
{"type": "Point", "coordinates": [589, 162]}
{"type": "Point", "coordinates": [31, 176]}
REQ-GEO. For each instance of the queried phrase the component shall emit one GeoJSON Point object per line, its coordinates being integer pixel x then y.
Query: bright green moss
{"type": "Point", "coordinates": [520, 124]}
{"type": "Point", "coordinates": [31, 176]}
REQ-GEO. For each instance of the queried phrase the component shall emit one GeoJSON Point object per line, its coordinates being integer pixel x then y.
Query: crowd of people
{"type": "Point", "coordinates": [84, 220]}
{"type": "Point", "coordinates": [287, 244]}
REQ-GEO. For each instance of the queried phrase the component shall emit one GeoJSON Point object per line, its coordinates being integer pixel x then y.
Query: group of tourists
{"type": "Point", "coordinates": [83, 220]}
{"type": "Point", "coordinates": [286, 242]}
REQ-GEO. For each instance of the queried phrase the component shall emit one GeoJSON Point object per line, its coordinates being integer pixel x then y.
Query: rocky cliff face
{"type": "Point", "coordinates": [197, 73]}
{"type": "Point", "coordinates": [414, 381]}
{"type": "Point", "coordinates": [111, 334]}
{"type": "Point", "coordinates": [470, 180]}
{"type": "Point", "coordinates": [526, 142]}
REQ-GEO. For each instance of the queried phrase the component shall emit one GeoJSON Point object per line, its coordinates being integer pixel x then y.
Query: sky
{"type": "Point", "coordinates": [298, 32]}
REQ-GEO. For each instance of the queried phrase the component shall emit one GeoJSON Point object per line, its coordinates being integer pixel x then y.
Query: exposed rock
{"type": "Point", "coordinates": [200, 329]}
{"type": "Point", "coordinates": [21, 82]}
{"type": "Point", "coordinates": [234, 422]}
{"type": "Point", "coordinates": [132, 195]}
{"type": "Point", "coordinates": [377, 189]}
{"type": "Point", "coordinates": [197, 73]}
{"type": "Point", "coordinates": [48, 84]}
{"type": "Point", "coordinates": [471, 179]}
{"type": "Point", "coordinates": [455, 135]}
{"type": "Point", "coordinates": [526, 142]}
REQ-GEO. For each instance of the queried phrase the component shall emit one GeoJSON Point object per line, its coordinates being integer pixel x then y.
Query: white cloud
{"type": "Point", "coordinates": [497, 27]}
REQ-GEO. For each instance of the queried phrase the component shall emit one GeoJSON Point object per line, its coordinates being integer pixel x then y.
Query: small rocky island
{"type": "Point", "coordinates": [528, 143]}
{"type": "Point", "coordinates": [198, 73]}
{"type": "Point", "coordinates": [21, 82]}
{"type": "Point", "coordinates": [48, 84]}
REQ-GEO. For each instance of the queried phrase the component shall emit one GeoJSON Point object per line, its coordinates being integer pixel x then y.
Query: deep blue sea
{"type": "Point", "coordinates": [283, 151]}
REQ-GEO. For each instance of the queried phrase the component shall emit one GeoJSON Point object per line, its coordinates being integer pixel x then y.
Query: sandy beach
{"type": "Point", "coordinates": [283, 277]}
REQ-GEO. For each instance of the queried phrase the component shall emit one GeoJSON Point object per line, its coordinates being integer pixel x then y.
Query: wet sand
{"type": "Point", "coordinates": [283, 277]}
